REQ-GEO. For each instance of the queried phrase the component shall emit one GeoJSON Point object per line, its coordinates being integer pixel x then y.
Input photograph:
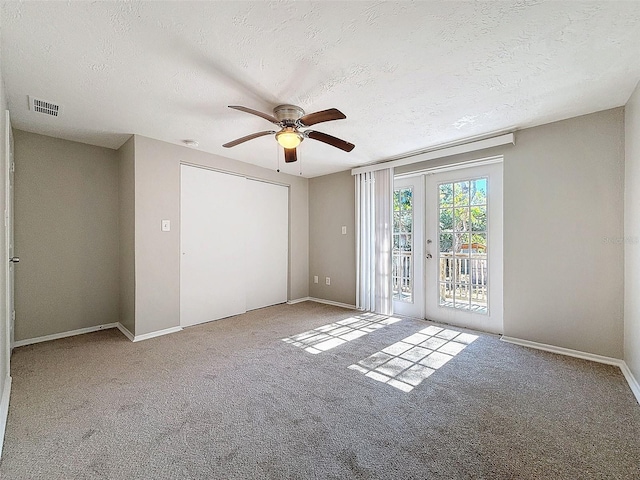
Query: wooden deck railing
{"type": "Point", "coordinates": [464, 278]}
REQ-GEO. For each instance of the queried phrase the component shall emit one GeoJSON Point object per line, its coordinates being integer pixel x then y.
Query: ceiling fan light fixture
{"type": "Point", "coordinates": [289, 119]}
{"type": "Point", "coordinates": [289, 137]}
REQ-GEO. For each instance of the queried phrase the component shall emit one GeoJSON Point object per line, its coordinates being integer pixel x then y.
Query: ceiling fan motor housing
{"type": "Point", "coordinates": [288, 115]}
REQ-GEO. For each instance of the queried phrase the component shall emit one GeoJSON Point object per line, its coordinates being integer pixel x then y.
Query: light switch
{"type": "Point", "coordinates": [327, 280]}
{"type": "Point", "coordinates": [315, 279]}
{"type": "Point", "coordinates": [166, 225]}
{"type": "Point", "coordinates": [344, 230]}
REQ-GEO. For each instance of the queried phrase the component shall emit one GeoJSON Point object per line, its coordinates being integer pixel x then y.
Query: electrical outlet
{"type": "Point", "coordinates": [315, 279]}
{"type": "Point", "coordinates": [327, 280]}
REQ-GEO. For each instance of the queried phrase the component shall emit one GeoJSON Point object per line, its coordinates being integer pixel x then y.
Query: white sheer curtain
{"type": "Point", "coordinates": [374, 200]}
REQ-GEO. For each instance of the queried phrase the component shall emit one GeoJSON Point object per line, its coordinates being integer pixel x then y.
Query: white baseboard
{"type": "Point", "coordinates": [157, 333]}
{"type": "Point", "coordinates": [331, 302]}
{"type": "Point", "coordinates": [4, 409]}
{"type": "Point", "coordinates": [633, 383]}
{"type": "Point", "coordinates": [125, 331]}
{"type": "Point", "coordinates": [631, 380]}
{"type": "Point", "coordinates": [56, 336]}
{"type": "Point", "coordinates": [563, 351]}
{"type": "Point", "coordinates": [320, 300]}
{"type": "Point", "coordinates": [298, 300]}
{"type": "Point", "coordinates": [146, 336]}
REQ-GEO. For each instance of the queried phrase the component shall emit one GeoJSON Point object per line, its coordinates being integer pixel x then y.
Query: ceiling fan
{"type": "Point", "coordinates": [291, 119]}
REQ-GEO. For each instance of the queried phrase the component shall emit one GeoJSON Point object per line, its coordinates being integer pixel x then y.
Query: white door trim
{"type": "Point", "coordinates": [8, 250]}
{"type": "Point", "coordinates": [5, 377]}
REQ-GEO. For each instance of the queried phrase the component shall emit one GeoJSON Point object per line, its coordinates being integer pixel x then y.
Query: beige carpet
{"type": "Point", "coordinates": [313, 391]}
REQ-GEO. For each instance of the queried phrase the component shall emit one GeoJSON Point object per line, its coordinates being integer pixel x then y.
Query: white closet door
{"type": "Point", "coordinates": [212, 235]}
{"type": "Point", "coordinates": [267, 244]}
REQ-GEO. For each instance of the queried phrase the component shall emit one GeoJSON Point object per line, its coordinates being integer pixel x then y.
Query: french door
{"type": "Point", "coordinates": [455, 247]}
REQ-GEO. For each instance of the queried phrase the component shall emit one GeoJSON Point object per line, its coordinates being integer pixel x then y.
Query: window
{"type": "Point", "coordinates": [403, 244]}
{"type": "Point", "coordinates": [462, 241]}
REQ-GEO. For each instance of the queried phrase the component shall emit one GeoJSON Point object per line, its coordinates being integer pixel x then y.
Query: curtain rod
{"type": "Point", "coordinates": [443, 152]}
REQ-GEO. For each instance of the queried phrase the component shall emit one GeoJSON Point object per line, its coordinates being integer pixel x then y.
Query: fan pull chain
{"type": "Point", "coordinates": [278, 156]}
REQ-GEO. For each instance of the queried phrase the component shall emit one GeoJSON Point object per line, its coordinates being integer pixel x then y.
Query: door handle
{"type": "Point", "coordinates": [429, 255]}
{"type": "Point", "coordinates": [14, 259]}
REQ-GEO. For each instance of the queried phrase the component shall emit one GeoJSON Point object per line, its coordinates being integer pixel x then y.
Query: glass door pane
{"type": "Point", "coordinates": [462, 247]}
{"type": "Point", "coordinates": [403, 244]}
{"type": "Point", "coordinates": [408, 247]}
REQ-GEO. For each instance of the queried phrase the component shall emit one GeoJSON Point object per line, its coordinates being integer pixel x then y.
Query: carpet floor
{"type": "Point", "coordinates": [310, 391]}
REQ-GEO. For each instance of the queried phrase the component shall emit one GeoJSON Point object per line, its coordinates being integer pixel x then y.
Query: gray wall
{"type": "Point", "coordinates": [157, 197]}
{"type": "Point", "coordinates": [331, 254]}
{"type": "Point", "coordinates": [563, 204]}
{"type": "Point", "coordinates": [632, 235]}
{"type": "Point", "coordinates": [66, 234]}
{"type": "Point", "coordinates": [126, 231]}
{"type": "Point", "coordinates": [157, 269]}
{"type": "Point", "coordinates": [563, 216]}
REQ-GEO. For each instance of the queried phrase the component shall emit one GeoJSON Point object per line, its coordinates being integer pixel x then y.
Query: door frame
{"type": "Point", "coordinates": [9, 313]}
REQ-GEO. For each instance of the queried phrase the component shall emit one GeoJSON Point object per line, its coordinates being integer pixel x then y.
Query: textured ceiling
{"type": "Point", "coordinates": [408, 75]}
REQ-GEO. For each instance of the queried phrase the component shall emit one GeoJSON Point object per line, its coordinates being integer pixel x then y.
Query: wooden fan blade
{"type": "Point", "coordinates": [330, 140]}
{"type": "Point", "coordinates": [238, 141]}
{"type": "Point", "coordinates": [266, 116]}
{"type": "Point", "coordinates": [290, 155]}
{"type": "Point", "coordinates": [323, 116]}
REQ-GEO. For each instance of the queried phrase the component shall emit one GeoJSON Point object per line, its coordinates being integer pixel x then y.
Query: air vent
{"type": "Point", "coordinates": [42, 106]}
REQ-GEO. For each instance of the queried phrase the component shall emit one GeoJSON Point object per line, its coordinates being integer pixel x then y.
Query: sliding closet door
{"type": "Point", "coordinates": [267, 243]}
{"type": "Point", "coordinates": [212, 236]}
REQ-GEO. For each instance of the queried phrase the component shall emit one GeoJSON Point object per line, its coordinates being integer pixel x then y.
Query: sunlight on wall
{"type": "Point", "coordinates": [330, 336]}
{"type": "Point", "coordinates": [405, 364]}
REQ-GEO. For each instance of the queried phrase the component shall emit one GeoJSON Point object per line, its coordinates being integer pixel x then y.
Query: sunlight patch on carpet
{"type": "Point", "coordinates": [405, 364]}
{"type": "Point", "coordinates": [329, 336]}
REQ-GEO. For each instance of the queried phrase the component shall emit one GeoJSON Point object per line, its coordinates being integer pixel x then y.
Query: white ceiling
{"type": "Point", "coordinates": [408, 75]}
